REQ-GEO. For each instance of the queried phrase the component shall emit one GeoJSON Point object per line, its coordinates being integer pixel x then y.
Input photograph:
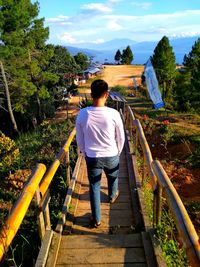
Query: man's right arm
{"type": "Point", "coordinates": [120, 136]}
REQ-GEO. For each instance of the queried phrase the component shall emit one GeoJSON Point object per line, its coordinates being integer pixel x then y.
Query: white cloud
{"type": "Point", "coordinates": [98, 41]}
{"type": "Point", "coordinates": [185, 34]}
{"type": "Point", "coordinates": [114, 1]}
{"type": "Point", "coordinates": [143, 5]}
{"type": "Point", "coordinates": [92, 26]}
{"type": "Point", "coordinates": [114, 26]}
{"type": "Point", "coordinates": [98, 7]}
{"type": "Point", "coordinates": [68, 38]}
{"type": "Point", "coordinates": [59, 20]}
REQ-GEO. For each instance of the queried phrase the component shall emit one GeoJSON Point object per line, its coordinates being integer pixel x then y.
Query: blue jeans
{"type": "Point", "coordinates": [95, 166]}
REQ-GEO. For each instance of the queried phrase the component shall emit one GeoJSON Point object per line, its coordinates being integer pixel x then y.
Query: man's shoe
{"type": "Point", "coordinates": [94, 224]}
{"type": "Point", "coordinates": [112, 200]}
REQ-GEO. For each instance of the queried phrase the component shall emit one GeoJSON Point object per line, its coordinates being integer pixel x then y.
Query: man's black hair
{"type": "Point", "coordinates": [98, 88]}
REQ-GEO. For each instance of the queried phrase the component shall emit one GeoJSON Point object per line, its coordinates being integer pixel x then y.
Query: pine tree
{"type": "Point", "coordinates": [192, 64]}
{"type": "Point", "coordinates": [82, 60]}
{"type": "Point", "coordinates": [164, 63]}
{"type": "Point", "coordinates": [127, 56]}
{"type": "Point", "coordinates": [118, 56]}
{"type": "Point", "coordinates": [25, 55]}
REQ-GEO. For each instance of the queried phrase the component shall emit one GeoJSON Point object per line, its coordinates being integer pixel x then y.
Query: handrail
{"type": "Point", "coordinates": [144, 144]}
{"type": "Point", "coordinates": [183, 223]}
{"type": "Point", "coordinates": [54, 166]}
{"type": "Point", "coordinates": [35, 181]}
{"type": "Point", "coordinates": [146, 151]}
{"type": "Point", "coordinates": [159, 181]}
{"type": "Point", "coordinates": [20, 208]}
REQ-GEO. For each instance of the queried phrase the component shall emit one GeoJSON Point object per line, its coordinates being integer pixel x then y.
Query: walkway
{"type": "Point", "coordinates": [115, 242]}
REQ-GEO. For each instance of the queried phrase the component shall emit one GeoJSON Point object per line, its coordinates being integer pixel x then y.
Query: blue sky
{"type": "Point", "coordinates": [78, 22]}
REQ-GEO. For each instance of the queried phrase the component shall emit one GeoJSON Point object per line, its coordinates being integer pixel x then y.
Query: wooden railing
{"type": "Point", "coordinates": [37, 185]}
{"type": "Point", "coordinates": [40, 181]}
{"type": "Point", "coordinates": [161, 183]}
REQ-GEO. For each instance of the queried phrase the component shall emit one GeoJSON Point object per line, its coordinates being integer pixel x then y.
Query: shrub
{"type": "Point", "coordinates": [120, 89]}
{"type": "Point", "coordinates": [9, 153]}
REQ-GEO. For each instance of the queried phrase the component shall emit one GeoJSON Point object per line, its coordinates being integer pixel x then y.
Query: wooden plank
{"type": "Point", "coordinates": [148, 249]}
{"type": "Point", "coordinates": [106, 206]}
{"type": "Point", "coordinates": [103, 265]}
{"type": "Point", "coordinates": [109, 220]}
{"type": "Point", "coordinates": [44, 250]}
{"type": "Point", "coordinates": [102, 255]}
{"type": "Point", "coordinates": [104, 198]}
{"type": "Point", "coordinates": [100, 241]}
{"type": "Point", "coordinates": [53, 251]}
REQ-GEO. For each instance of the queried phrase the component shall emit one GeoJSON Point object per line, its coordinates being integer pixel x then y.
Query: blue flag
{"type": "Point", "coordinates": [152, 85]}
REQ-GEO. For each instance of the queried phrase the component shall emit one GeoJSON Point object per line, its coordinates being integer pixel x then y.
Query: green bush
{"type": "Point", "coordinates": [120, 89]}
{"type": "Point", "coordinates": [9, 153]}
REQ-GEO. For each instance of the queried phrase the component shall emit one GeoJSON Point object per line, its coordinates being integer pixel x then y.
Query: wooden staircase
{"type": "Point", "coordinates": [115, 243]}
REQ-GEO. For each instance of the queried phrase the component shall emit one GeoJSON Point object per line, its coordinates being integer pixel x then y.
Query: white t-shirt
{"type": "Point", "coordinates": [99, 132]}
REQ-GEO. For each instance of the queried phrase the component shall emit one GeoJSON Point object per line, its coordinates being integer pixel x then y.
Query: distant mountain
{"type": "Point", "coordinates": [142, 51]}
{"type": "Point", "coordinates": [110, 45]}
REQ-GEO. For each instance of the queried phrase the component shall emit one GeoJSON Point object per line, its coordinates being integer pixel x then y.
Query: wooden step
{"type": "Point", "coordinates": [94, 250]}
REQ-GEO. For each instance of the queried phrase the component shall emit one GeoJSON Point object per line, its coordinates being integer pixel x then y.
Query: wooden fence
{"type": "Point", "coordinates": [161, 183]}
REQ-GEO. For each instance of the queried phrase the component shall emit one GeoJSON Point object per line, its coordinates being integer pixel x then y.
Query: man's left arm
{"type": "Point", "coordinates": [120, 137]}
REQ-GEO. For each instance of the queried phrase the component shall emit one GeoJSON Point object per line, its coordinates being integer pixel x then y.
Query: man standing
{"type": "Point", "coordinates": [100, 137]}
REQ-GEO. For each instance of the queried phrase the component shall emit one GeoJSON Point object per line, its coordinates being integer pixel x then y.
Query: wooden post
{"type": "Point", "coordinates": [143, 170]}
{"type": "Point", "coordinates": [47, 217]}
{"type": "Point", "coordinates": [68, 167]}
{"type": "Point", "coordinates": [117, 105]}
{"type": "Point", "coordinates": [159, 204]}
{"type": "Point", "coordinates": [136, 141]}
{"type": "Point", "coordinates": [41, 223]}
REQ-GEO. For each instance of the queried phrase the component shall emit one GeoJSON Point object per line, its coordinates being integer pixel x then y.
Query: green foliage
{"type": "Point", "coordinates": [82, 60]}
{"type": "Point", "coordinates": [118, 56]}
{"type": "Point", "coordinates": [127, 56]}
{"type": "Point", "coordinates": [174, 255]}
{"type": "Point", "coordinates": [193, 209]}
{"type": "Point", "coordinates": [9, 153]}
{"type": "Point", "coordinates": [164, 63]}
{"type": "Point", "coordinates": [120, 89]}
{"type": "Point", "coordinates": [63, 64]}
{"type": "Point", "coordinates": [194, 158]}
{"type": "Point", "coordinates": [27, 59]}
{"type": "Point", "coordinates": [189, 96]}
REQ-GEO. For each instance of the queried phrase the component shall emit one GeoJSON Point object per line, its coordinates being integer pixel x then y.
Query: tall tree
{"type": "Point", "coordinates": [118, 56]}
{"type": "Point", "coordinates": [192, 71]}
{"type": "Point", "coordinates": [24, 54]}
{"type": "Point", "coordinates": [63, 64]}
{"type": "Point", "coordinates": [164, 63]}
{"type": "Point", "coordinates": [7, 93]}
{"type": "Point", "coordinates": [127, 56]}
{"type": "Point", "coordinates": [82, 60]}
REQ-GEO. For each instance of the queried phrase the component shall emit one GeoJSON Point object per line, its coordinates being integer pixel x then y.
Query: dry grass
{"type": "Point", "coordinates": [121, 74]}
